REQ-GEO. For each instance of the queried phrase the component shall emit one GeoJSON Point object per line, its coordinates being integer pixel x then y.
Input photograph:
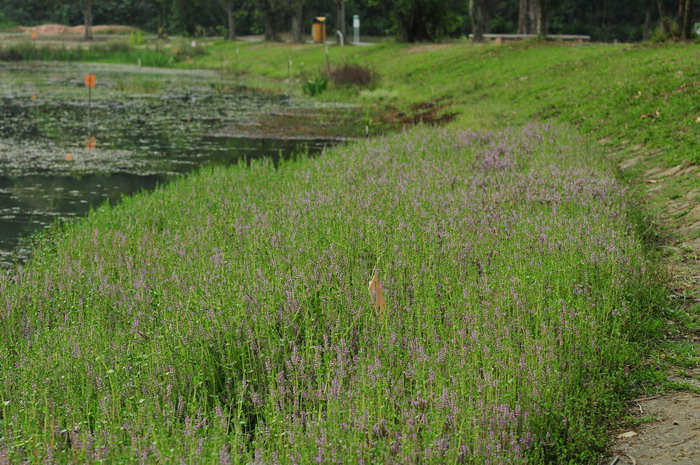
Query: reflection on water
{"type": "Point", "coordinates": [30, 203]}
{"type": "Point", "coordinates": [46, 173]}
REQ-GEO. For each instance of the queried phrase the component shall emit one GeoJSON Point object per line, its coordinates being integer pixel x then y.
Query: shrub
{"type": "Point", "coordinates": [109, 48]}
{"type": "Point", "coordinates": [349, 75]}
{"type": "Point", "coordinates": [21, 51]}
{"type": "Point", "coordinates": [136, 38]}
{"type": "Point", "coordinates": [315, 85]}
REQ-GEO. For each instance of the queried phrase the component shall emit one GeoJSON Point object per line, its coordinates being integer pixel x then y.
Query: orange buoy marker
{"type": "Point", "coordinates": [90, 82]}
{"type": "Point", "coordinates": [69, 157]}
{"type": "Point", "coordinates": [375, 290]}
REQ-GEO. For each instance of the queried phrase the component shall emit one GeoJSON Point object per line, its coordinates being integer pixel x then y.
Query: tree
{"type": "Point", "coordinates": [533, 17]}
{"type": "Point", "coordinates": [478, 13]}
{"type": "Point", "coordinates": [685, 17]}
{"type": "Point", "coordinates": [271, 11]}
{"type": "Point", "coordinates": [340, 17]}
{"type": "Point", "coordinates": [540, 8]}
{"type": "Point", "coordinates": [229, 7]}
{"type": "Point", "coordinates": [679, 26]}
{"type": "Point", "coordinates": [421, 20]}
{"type": "Point", "coordinates": [296, 9]}
{"type": "Point", "coordinates": [525, 17]}
{"type": "Point", "coordinates": [87, 14]}
{"type": "Point", "coordinates": [162, 7]}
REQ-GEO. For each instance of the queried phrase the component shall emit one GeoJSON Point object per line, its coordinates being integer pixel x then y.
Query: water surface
{"type": "Point", "coordinates": [150, 127]}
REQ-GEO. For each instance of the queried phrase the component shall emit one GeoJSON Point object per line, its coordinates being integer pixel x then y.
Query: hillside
{"type": "Point", "coordinates": [513, 277]}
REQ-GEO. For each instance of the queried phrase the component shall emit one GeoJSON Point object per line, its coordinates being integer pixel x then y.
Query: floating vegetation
{"type": "Point", "coordinates": [143, 129]}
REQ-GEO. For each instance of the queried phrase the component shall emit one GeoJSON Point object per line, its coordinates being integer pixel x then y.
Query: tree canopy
{"type": "Point", "coordinates": [408, 20]}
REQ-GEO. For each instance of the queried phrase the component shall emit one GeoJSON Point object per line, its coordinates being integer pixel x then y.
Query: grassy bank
{"type": "Point", "coordinates": [227, 317]}
{"type": "Point", "coordinates": [116, 51]}
{"type": "Point", "coordinates": [622, 94]}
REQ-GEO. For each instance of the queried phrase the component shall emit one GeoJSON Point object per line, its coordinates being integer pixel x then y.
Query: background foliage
{"type": "Point", "coordinates": [409, 20]}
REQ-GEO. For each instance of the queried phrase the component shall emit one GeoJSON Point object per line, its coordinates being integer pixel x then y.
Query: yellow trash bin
{"type": "Point", "coordinates": [319, 29]}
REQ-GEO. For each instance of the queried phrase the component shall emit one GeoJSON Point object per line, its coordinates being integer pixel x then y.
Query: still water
{"type": "Point", "coordinates": [143, 140]}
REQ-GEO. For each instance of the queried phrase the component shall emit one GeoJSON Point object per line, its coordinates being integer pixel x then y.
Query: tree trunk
{"type": "Point", "coordinates": [527, 16]}
{"type": "Point", "coordinates": [477, 11]}
{"type": "Point", "coordinates": [685, 17]}
{"type": "Point", "coordinates": [523, 15]}
{"type": "Point", "coordinates": [270, 32]}
{"type": "Point", "coordinates": [296, 24]}
{"type": "Point", "coordinates": [646, 31]}
{"type": "Point", "coordinates": [231, 22]}
{"type": "Point", "coordinates": [87, 14]}
{"type": "Point", "coordinates": [160, 23]}
{"type": "Point", "coordinates": [340, 18]}
{"type": "Point", "coordinates": [665, 17]}
{"type": "Point", "coordinates": [540, 11]}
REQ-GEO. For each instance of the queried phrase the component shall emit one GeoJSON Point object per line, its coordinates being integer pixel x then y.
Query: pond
{"type": "Point", "coordinates": [149, 125]}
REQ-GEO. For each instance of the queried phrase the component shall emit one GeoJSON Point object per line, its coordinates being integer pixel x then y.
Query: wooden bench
{"type": "Point", "coordinates": [501, 38]}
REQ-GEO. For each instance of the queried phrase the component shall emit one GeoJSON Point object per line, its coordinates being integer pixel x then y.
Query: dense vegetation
{"type": "Point", "coordinates": [410, 20]}
{"type": "Point", "coordinates": [228, 315]}
{"type": "Point", "coordinates": [228, 318]}
{"type": "Point", "coordinates": [621, 95]}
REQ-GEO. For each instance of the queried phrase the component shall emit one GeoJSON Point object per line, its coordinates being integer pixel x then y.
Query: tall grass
{"type": "Point", "coordinates": [109, 52]}
{"type": "Point", "coordinates": [227, 319]}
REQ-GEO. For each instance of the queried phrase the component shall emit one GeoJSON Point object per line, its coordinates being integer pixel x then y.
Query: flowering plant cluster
{"type": "Point", "coordinates": [226, 318]}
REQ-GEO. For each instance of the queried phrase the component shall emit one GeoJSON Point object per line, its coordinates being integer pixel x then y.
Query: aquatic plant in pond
{"type": "Point", "coordinates": [47, 173]}
{"type": "Point", "coordinates": [226, 318]}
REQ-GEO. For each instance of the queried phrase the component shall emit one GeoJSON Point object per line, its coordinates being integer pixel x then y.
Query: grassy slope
{"type": "Point", "coordinates": [595, 87]}
{"type": "Point", "coordinates": [603, 89]}
{"type": "Point", "coordinates": [200, 322]}
{"type": "Point", "coordinates": [622, 94]}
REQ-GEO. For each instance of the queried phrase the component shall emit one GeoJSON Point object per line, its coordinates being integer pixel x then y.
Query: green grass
{"type": "Point", "coordinates": [228, 315]}
{"type": "Point", "coordinates": [612, 92]}
{"type": "Point", "coordinates": [116, 51]}
{"type": "Point", "coordinates": [623, 95]}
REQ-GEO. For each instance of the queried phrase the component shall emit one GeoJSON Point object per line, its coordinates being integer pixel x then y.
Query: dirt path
{"type": "Point", "coordinates": [668, 429]}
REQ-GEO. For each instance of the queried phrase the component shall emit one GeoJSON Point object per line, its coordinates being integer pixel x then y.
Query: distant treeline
{"type": "Point", "coordinates": [408, 20]}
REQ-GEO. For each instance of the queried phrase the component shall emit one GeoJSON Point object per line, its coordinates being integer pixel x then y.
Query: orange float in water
{"type": "Point", "coordinates": [91, 143]}
{"type": "Point", "coordinates": [69, 157]}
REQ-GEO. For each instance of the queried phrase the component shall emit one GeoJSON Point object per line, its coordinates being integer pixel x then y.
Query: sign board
{"type": "Point", "coordinates": [90, 80]}
{"type": "Point", "coordinates": [356, 21]}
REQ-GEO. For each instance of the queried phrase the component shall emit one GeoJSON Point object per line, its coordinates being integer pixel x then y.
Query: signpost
{"type": "Point", "coordinates": [356, 28]}
{"type": "Point", "coordinates": [90, 82]}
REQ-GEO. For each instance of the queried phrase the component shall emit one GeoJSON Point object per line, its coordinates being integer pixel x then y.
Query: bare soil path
{"type": "Point", "coordinates": [668, 425]}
